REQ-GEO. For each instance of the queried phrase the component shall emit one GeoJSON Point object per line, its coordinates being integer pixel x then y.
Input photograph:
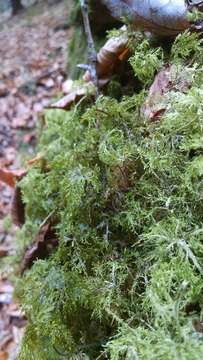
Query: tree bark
{"type": "Point", "coordinates": [16, 6]}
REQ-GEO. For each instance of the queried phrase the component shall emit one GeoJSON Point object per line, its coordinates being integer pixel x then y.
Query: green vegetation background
{"type": "Point", "coordinates": [125, 281]}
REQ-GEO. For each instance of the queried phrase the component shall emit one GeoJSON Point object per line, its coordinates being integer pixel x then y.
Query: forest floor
{"type": "Point", "coordinates": [33, 51]}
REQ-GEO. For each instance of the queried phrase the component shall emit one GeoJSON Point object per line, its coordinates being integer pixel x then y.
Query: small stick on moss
{"type": "Point", "coordinates": [191, 256]}
{"type": "Point", "coordinates": [92, 54]}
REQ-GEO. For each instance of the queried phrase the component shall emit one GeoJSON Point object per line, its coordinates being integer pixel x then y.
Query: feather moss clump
{"type": "Point", "coordinates": [126, 279]}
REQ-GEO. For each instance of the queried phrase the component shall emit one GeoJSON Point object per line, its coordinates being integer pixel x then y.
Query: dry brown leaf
{"type": "Point", "coordinates": [163, 18]}
{"type": "Point", "coordinates": [3, 251]}
{"type": "Point", "coordinates": [165, 81]}
{"type": "Point", "coordinates": [10, 177]}
{"type": "Point", "coordinates": [47, 82]}
{"type": "Point", "coordinates": [109, 55]}
{"type": "Point", "coordinates": [3, 355]}
{"type": "Point", "coordinates": [41, 246]}
{"type": "Point", "coordinates": [3, 90]}
{"type": "Point", "coordinates": [114, 50]}
{"type": "Point", "coordinates": [18, 208]}
{"type": "Point", "coordinates": [38, 158]}
{"type": "Point", "coordinates": [21, 122]}
{"type": "Point", "coordinates": [14, 311]}
{"type": "Point", "coordinates": [153, 107]}
{"type": "Point", "coordinates": [17, 204]}
{"type": "Point", "coordinates": [74, 97]}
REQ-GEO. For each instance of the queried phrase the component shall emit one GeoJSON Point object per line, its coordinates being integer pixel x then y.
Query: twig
{"type": "Point", "coordinates": [92, 54]}
{"type": "Point", "coordinates": [191, 256]}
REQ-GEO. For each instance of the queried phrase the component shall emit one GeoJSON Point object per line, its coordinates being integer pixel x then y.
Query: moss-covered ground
{"type": "Point", "coordinates": [126, 280]}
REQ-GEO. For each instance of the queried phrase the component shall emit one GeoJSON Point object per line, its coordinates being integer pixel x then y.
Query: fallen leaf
{"type": "Point", "coordinates": [36, 159]}
{"type": "Point", "coordinates": [3, 355]}
{"type": "Point", "coordinates": [47, 82]}
{"type": "Point", "coordinates": [9, 177]}
{"type": "Point", "coordinates": [153, 107]}
{"type": "Point", "coordinates": [17, 313]}
{"type": "Point", "coordinates": [165, 81]}
{"type": "Point", "coordinates": [18, 208]}
{"type": "Point", "coordinates": [21, 122]}
{"type": "Point", "coordinates": [41, 246]}
{"type": "Point", "coordinates": [3, 251]}
{"type": "Point", "coordinates": [74, 97]}
{"type": "Point", "coordinates": [3, 90]}
{"type": "Point", "coordinates": [114, 50]}
{"type": "Point", "coordinates": [110, 53]}
{"type": "Point", "coordinates": [6, 339]}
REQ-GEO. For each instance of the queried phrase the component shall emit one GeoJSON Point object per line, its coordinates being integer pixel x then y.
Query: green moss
{"type": "Point", "coordinates": [146, 61]}
{"type": "Point", "coordinates": [126, 279]}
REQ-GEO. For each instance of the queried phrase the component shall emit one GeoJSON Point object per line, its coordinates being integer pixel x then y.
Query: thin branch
{"type": "Point", "coordinates": [190, 255]}
{"type": "Point", "coordinates": [92, 54]}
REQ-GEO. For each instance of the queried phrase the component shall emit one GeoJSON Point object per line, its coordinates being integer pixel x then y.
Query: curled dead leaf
{"type": "Point", "coordinates": [166, 80]}
{"type": "Point", "coordinates": [3, 355]}
{"type": "Point", "coordinates": [18, 207]}
{"type": "Point", "coordinates": [74, 97]}
{"type": "Point", "coordinates": [3, 251]}
{"type": "Point", "coordinates": [113, 51]}
{"type": "Point", "coordinates": [153, 107]}
{"type": "Point", "coordinates": [110, 53]}
{"type": "Point", "coordinates": [38, 158]}
{"type": "Point", "coordinates": [11, 177]}
{"type": "Point", "coordinates": [164, 18]}
{"type": "Point", "coordinates": [17, 204]}
{"type": "Point", "coordinates": [43, 243]}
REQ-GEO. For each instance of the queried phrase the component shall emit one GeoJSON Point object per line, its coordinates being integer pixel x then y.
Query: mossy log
{"type": "Point", "coordinates": [125, 281]}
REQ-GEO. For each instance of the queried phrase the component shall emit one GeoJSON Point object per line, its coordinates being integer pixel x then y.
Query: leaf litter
{"type": "Point", "coordinates": [33, 52]}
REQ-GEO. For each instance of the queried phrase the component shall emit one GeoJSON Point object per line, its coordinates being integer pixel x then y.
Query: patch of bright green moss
{"type": "Point", "coordinates": [126, 279]}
